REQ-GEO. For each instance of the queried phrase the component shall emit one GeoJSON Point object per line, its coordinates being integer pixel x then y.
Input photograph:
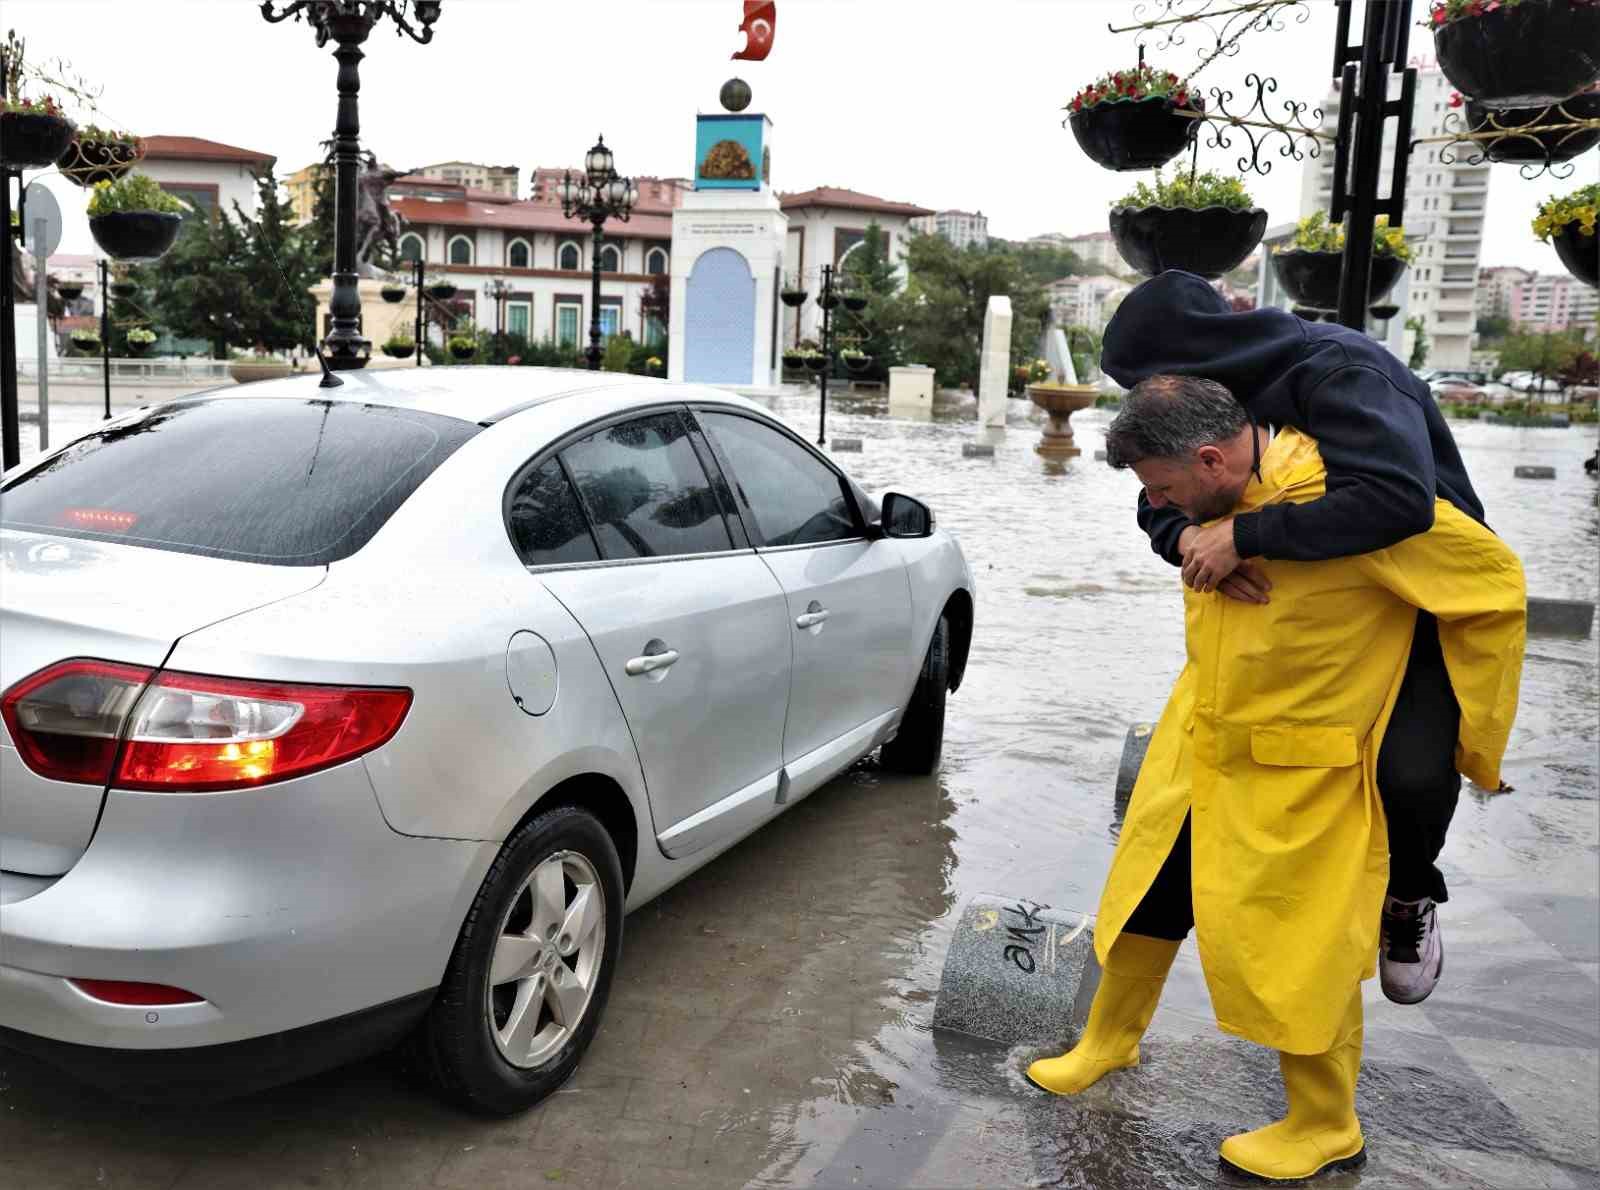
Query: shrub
{"type": "Point", "coordinates": [136, 192]}
{"type": "Point", "coordinates": [1208, 189]}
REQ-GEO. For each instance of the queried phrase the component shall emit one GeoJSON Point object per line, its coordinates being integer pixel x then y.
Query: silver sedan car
{"type": "Point", "coordinates": [341, 717]}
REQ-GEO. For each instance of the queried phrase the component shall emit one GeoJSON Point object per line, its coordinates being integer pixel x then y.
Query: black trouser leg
{"type": "Point", "coordinates": [1417, 777]}
{"type": "Point", "coordinates": [1167, 910]}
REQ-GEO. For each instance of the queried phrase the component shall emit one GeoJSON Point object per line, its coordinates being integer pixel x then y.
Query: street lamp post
{"type": "Point", "coordinates": [348, 22]}
{"type": "Point", "coordinates": [498, 291]}
{"type": "Point", "coordinates": [600, 194]}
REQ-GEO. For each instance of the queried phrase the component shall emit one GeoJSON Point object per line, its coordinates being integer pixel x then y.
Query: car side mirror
{"type": "Point", "coordinates": [905, 517]}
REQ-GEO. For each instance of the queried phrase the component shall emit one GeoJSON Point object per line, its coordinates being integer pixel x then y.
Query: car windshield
{"type": "Point", "coordinates": [286, 482]}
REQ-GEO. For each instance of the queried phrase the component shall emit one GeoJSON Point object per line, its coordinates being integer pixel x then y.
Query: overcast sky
{"type": "Point", "coordinates": [947, 103]}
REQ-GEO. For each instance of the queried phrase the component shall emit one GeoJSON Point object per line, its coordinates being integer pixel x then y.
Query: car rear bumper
{"type": "Point", "coordinates": [206, 1073]}
{"type": "Point", "coordinates": [285, 906]}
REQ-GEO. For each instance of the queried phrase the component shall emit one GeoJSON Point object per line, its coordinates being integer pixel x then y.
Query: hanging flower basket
{"type": "Point", "coordinates": [829, 301]}
{"type": "Point", "coordinates": [1383, 312]}
{"type": "Point", "coordinates": [85, 342]}
{"type": "Point", "coordinates": [140, 341]}
{"type": "Point", "coordinates": [1567, 223]}
{"type": "Point", "coordinates": [70, 291]}
{"type": "Point", "coordinates": [817, 362]}
{"type": "Point", "coordinates": [1312, 278]}
{"type": "Point", "coordinates": [859, 362]}
{"type": "Point", "coordinates": [1518, 53]}
{"type": "Point", "coordinates": [33, 135]}
{"type": "Point", "coordinates": [123, 289]}
{"type": "Point", "coordinates": [1579, 252]}
{"type": "Point", "coordinates": [1127, 120]}
{"type": "Point", "coordinates": [793, 298]}
{"type": "Point", "coordinates": [1208, 241]}
{"type": "Point", "coordinates": [463, 349]}
{"type": "Point", "coordinates": [96, 156]}
{"type": "Point", "coordinates": [1537, 147]}
{"type": "Point", "coordinates": [794, 360]}
{"type": "Point", "coordinates": [135, 236]}
{"type": "Point", "coordinates": [441, 291]}
{"type": "Point", "coordinates": [855, 301]}
{"type": "Point", "coordinates": [399, 348]}
{"type": "Point", "coordinates": [393, 293]}
{"type": "Point", "coordinates": [1308, 313]}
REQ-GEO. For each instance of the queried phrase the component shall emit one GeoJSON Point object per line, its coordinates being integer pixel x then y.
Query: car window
{"type": "Point", "coordinates": [547, 523]}
{"type": "Point", "coordinates": [796, 498]}
{"type": "Point", "coordinates": [645, 491]}
{"type": "Point", "coordinates": [287, 482]}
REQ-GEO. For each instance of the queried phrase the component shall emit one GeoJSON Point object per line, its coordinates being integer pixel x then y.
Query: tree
{"type": "Point", "coordinates": [1547, 355]}
{"type": "Point", "coordinates": [939, 315]}
{"type": "Point", "coordinates": [240, 281]}
{"type": "Point", "coordinates": [869, 271]}
{"type": "Point", "coordinates": [1419, 345]}
{"type": "Point", "coordinates": [1493, 326]}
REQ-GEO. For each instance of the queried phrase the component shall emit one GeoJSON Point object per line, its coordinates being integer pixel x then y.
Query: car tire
{"type": "Point", "coordinates": [916, 747]}
{"type": "Point", "coordinates": [461, 1046]}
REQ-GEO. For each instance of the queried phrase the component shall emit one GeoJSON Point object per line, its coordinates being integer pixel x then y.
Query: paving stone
{"type": "Point", "coordinates": [1529, 472]}
{"type": "Point", "coordinates": [843, 445]}
{"type": "Point", "coordinates": [977, 450]}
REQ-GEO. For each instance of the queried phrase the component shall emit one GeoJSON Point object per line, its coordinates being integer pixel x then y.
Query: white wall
{"type": "Point", "coordinates": [234, 181]}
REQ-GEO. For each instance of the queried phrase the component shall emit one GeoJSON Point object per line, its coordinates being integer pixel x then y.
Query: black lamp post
{"type": "Point", "coordinates": [348, 22]}
{"type": "Point", "coordinates": [498, 291]}
{"type": "Point", "coordinates": [599, 195]}
{"type": "Point", "coordinates": [832, 295]}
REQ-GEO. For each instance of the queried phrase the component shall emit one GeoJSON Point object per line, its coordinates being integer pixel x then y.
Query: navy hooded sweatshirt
{"type": "Point", "coordinates": [1387, 448]}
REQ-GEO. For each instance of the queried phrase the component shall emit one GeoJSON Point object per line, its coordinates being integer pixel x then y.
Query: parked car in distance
{"type": "Point", "coordinates": [1458, 392]}
{"type": "Point", "coordinates": [341, 717]}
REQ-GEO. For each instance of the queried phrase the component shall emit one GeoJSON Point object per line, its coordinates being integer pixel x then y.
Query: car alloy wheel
{"type": "Point", "coordinates": [547, 959]}
{"type": "Point", "coordinates": [526, 986]}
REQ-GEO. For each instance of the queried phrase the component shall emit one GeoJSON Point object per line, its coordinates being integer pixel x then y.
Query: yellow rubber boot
{"type": "Point", "coordinates": [1321, 1132]}
{"type": "Point", "coordinates": [1130, 985]}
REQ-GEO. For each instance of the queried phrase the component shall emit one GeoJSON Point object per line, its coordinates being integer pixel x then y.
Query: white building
{"type": "Point", "coordinates": [825, 226]}
{"type": "Point", "coordinates": [1445, 205]}
{"type": "Point", "coordinates": [1086, 301]}
{"type": "Point", "coordinates": [961, 228]}
{"type": "Point", "coordinates": [206, 174]}
{"type": "Point", "coordinates": [1098, 250]}
{"type": "Point", "coordinates": [472, 238]}
{"type": "Point", "coordinates": [501, 180]}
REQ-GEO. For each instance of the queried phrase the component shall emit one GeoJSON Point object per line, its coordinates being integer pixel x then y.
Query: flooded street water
{"type": "Point", "coordinates": [771, 1023]}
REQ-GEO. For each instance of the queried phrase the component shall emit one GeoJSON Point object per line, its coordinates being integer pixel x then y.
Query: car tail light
{"type": "Point", "coordinates": [189, 732]}
{"type": "Point", "coordinates": [66, 720]}
{"type": "Point", "coordinates": [122, 991]}
{"type": "Point", "coordinates": [199, 733]}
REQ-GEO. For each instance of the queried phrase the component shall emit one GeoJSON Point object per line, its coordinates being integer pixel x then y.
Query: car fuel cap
{"type": "Point", "coordinates": [531, 672]}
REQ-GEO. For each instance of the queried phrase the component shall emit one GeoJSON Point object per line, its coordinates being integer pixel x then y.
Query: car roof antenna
{"type": "Point", "coordinates": [330, 379]}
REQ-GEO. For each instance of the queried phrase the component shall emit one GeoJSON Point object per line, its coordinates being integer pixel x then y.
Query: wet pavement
{"type": "Point", "coordinates": [770, 1025]}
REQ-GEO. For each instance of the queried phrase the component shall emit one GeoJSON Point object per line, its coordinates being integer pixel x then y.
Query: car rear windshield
{"type": "Point", "coordinates": [286, 482]}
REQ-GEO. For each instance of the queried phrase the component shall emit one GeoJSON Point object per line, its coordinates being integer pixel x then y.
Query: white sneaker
{"type": "Point", "coordinates": [1411, 952]}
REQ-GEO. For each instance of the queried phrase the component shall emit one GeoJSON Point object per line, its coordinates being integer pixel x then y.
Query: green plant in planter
{"type": "Point", "coordinates": [1142, 82]}
{"type": "Point", "coordinates": [136, 192]}
{"type": "Point", "coordinates": [1442, 12]}
{"type": "Point", "coordinates": [142, 336]}
{"type": "Point", "coordinates": [460, 345]}
{"type": "Point", "coordinates": [1190, 190]}
{"type": "Point", "coordinates": [1578, 207]}
{"type": "Point", "coordinates": [105, 136]}
{"type": "Point", "coordinates": [22, 105]}
{"type": "Point", "coordinates": [396, 343]}
{"type": "Point", "coordinates": [1315, 234]}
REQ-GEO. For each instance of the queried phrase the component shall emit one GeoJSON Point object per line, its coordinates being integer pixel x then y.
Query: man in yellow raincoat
{"type": "Point", "coordinates": [1256, 818]}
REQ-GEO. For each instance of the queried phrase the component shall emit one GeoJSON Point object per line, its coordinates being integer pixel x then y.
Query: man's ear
{"type": "Point", "coordinates": [1211, 458]}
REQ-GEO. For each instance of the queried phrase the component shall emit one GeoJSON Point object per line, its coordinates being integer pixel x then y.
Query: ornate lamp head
{"type": "Point", "coordinates": [599, 164]}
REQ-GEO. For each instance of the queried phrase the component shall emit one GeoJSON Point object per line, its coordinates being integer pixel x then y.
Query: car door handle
{"type": "Point", "coordinates": [811, 619]}
{"type": "Point", "coordinates": [650, 662]}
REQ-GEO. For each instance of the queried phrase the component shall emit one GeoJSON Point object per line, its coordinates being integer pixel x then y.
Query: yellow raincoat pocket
{"type": "Point", "coordinates": [1301, 746]}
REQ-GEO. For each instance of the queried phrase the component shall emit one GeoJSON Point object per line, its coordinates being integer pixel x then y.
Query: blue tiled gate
{"type": "Point", "coordinates": [719, 321]}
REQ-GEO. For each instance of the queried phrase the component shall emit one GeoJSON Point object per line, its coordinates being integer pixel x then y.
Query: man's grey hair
{"type": "Point", "coordinates": [1171, 417]}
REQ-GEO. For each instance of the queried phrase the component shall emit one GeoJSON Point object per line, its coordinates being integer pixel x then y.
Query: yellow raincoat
{"type": "Point", "coordinates": [1270, 740]}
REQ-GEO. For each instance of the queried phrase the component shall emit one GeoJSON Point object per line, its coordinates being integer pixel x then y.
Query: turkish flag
{"type": "Point", "coordinates": [760, 18]}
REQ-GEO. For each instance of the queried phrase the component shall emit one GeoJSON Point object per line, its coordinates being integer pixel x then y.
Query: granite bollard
{"type": "Point", "coordinates": [1529, 472]}
{"type": "Point", "coordinates": [1018, 972]}
{"type": "Point", "coordinates": [1134, 745]}
{"type": "Point", "coordinates": [977, 450]}
{"type": "Point", "coordinates": [1560, 617]}
{"type": "Point", "coordinates": [847, 445]}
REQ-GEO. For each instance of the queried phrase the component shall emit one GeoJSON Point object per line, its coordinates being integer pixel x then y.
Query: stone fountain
{"type": "Point", "coordinates": [1060, 399]}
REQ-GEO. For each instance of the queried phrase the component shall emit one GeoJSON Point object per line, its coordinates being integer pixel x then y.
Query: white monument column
{"type": "Point", "coordinates": [728, 236]}
{"type": "Point", "coordinates": [994, 363]}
